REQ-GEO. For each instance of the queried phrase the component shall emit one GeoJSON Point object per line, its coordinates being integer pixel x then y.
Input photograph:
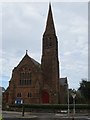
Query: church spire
{"type": "Point", "coordinates": [50, 29]}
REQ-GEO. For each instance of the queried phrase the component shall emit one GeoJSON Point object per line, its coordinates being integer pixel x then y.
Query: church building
{"type": "Point", "coordinates": [35, 83]}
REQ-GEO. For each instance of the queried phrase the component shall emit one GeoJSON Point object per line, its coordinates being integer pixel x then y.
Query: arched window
{"type": "Point", "coordinates": [25, 76]}
{"type": "Point", "coordinates": [19, 95]}
{"type": "Point", "coordinates": [29, 95]}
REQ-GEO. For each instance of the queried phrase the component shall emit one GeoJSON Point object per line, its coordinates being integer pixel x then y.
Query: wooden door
{"type": "Point", "coordinates": [45, 97]}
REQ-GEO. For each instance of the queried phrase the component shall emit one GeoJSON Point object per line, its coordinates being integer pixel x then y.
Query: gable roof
{"type": "Point", "coordinates": [27, 59]}
{"type": "Point", "coordinates": [36, 63]}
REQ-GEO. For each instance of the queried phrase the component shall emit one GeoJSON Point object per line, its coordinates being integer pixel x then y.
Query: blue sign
{"type": "Point", "coordinates": [18, 101]}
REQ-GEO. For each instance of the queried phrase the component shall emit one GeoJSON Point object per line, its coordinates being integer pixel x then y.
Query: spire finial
{"type": "Point", "coordinates": [49, 4]}
{"type": "Point", "coordinates": [26, 52]}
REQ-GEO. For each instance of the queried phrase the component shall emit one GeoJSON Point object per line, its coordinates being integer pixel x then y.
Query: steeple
{"type": "Point", "coordinates": [50, 29]}
{"type": "Point", "coordinates": [49, 61]}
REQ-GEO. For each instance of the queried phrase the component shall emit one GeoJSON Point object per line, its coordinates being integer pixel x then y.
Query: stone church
{"type": "Point", "coordinates": [35, 83]}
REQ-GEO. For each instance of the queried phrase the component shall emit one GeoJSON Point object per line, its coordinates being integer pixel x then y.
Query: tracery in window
{"type": "Point", "coordinates": [25, 76]}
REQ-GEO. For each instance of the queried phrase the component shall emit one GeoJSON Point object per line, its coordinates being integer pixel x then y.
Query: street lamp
{"type": "Point", "coordinates": [22, 107]}
{"type": "Point", "coordinates": [73, 95]}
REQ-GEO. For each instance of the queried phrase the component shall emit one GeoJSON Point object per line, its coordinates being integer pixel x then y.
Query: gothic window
{"type": "Point", "coordinates": [25, 77]}
{"type": "Point", "coordinates": [29, 95]}
{"type": "Point", "coordinates": [29, 82]}
{"type": "Point", "coordinates": [19, 95]}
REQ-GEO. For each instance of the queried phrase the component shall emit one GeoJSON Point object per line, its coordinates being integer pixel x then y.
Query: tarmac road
{"type": "Point", "coordinates": [45, 119]}
{"type": "Point", "coordinates": [40, 116]}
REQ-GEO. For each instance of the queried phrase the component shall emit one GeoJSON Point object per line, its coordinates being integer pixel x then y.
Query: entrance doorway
{"type": "Point", "coordinates": [45, 97]}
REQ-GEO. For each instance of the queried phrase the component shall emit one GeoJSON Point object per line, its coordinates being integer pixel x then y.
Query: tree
{"type": "Point", "coordinates": [85, 89]}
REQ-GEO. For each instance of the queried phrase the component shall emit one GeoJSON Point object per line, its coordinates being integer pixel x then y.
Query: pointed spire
{"type": "Point", "coordinates": [50, 29]}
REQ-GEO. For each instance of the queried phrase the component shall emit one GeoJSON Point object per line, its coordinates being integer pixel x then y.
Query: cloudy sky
{"type": "Point", "coordinates": [23, 25]}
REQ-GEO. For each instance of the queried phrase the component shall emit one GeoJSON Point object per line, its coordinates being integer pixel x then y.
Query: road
{"type": "Point", "coordinates": [40, 116]}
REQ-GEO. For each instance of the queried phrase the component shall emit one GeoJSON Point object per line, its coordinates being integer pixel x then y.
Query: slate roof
{"type": "Point", "coordinates": [36, 63]}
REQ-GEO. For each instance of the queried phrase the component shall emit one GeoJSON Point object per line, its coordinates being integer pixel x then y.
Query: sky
{"type": "Point", "coordinates": [23, 25]}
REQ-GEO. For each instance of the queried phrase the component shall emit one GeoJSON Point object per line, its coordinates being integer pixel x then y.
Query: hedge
{"type": "Point", "coordinates": [52, 106]}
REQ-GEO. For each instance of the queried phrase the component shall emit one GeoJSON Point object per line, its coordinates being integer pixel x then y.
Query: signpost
{"type": "Point", "coordinates": [73, 95]}
{"type": "Point", "coordinates": [20, 102]}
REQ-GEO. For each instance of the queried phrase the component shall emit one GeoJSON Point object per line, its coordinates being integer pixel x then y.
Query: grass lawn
{"type": "Point", "coordinates": [1, 118]}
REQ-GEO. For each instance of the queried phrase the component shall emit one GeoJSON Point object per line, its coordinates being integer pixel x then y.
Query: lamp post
{"type": "Point", "coordinates": [73, 95]}
{"type": "Point", "coordinates": [67, 90]}
{"type": "Point", "coordinates": [22, 107]}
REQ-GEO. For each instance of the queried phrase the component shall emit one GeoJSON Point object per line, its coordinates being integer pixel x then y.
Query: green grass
{"type": "Point", "coordinates": [1, 118]}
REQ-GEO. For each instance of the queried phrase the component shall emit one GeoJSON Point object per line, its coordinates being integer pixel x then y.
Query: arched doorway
{"type": "Point", "coordinates": [45, 97]}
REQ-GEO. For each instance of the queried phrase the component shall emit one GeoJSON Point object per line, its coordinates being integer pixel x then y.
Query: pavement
{"type": "Point", "coordinates": [8, 115]}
